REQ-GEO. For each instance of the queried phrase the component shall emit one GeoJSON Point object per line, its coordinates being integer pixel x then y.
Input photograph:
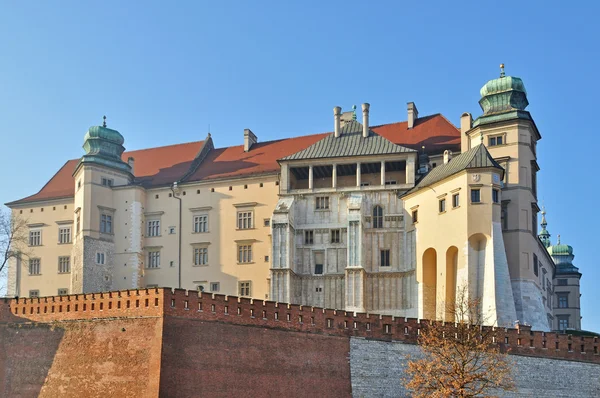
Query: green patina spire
{"type": "Point", "coordinates": [104, 146]}
{"type": "Point", "coordinates": [563, 258]}
{"type": "Point", "coordinates": [504, 98]}
{"type": "Point", "coordinates": [544, 234]}
{"type": "Point", "coordinates": [353, 112]}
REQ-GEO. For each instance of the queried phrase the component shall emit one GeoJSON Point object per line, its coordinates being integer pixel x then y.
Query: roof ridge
{"type": "Point", "coordinates": [164, 146]}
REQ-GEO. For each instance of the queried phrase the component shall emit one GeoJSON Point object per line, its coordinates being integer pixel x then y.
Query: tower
{"type": "Point", "coordinates": [511, 136]}
{"type": "Point", "coordinates": [98, 171]}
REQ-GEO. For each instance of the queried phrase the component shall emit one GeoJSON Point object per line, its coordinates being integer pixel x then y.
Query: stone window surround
{"type": "Point", "coordinates": [107, 211]}
{"type": "Point", "coordinates": [197, 246]}
{"type": "Point", "coordinates": [501, 135]}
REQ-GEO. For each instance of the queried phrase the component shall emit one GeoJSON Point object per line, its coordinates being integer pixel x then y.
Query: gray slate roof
{"type": "Point", "coordinates": [474, 158]}
{"type": "Point", "coordinates": [349, 143]}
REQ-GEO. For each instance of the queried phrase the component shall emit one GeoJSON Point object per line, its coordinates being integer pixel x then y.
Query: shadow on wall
{"type": "Point", "coordinates": [27, 352]}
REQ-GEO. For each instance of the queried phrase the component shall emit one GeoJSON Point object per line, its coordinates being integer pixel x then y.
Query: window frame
{"type": "Point", "coordinates": [65, 232]}
{"type": "Point", "coordinates": [153, 259]}
{"type": "Point", "coordinates": [153, 228]}
{"type": "Point", "coordinates": [455, 200]}
{"type": "Point", "coordinates": [244, 253]}
{"type": "Point", "coordinates": [100, 258]}
{"type": "Point", "coordinates": [35, 266]}
{"type": "Point", "coordinates": [65, 291]}
{"type": "Point", "coordinates": [478, 191]}
{"type": "Point", "coordinates": [107, 182]}
{"type": "Point", "coordinates": [385, 258]}
{"type": "Point", "coordinates": [442, 205]}
{"type": "Point", "coordinates": [377, 219]}
{"type": "Point", "coordinates": [562, 300]}
{"type": "Point", "coordinates": [309, 237]}
{"type": "Point", "coordinates": [495, 195]}
{"type": "Point", "coordinates": [245, 219]}
{"type": "Point", "coordinates": [64, 262]}
{"type": "Point", "coordinates": [415, 216]}
{"type": "Point", "coordinates": [32, 295]}
{"type": "Point", "coordinates": [200, 256]}
{"type": "Point", "coordinates": [335, 236]}
{"type": "Point", "coordinates": [35, 237]}
{"type": "Point", "coordinates": [322, 203]}
{"type": "Point", "coordinates": [106, 223]}
{"type": "Point", "coordinates": [245, 288]}
{"type": "Point", "coordinates": [215, 287]}
{"type": "Point", "coordinates": [496, 138]}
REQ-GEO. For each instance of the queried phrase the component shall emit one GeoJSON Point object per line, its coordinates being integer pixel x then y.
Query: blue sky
{"type": "Point", "coordinates": [164, 71]}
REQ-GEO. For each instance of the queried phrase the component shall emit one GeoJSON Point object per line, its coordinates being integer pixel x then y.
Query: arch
{"type": "Point", "coordinates": [451, 282]}
{"type": "Point", "coordinates": [429, 284]}
{"type": "Point", "coordinates": [377, 217]}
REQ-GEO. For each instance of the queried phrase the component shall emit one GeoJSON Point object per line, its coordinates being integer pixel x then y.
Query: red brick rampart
{"type": "Point", "coordinates": [248, 312]}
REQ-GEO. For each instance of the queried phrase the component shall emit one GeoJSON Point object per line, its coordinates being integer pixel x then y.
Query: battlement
{"type": "Point", "coordinates": [191, 304]}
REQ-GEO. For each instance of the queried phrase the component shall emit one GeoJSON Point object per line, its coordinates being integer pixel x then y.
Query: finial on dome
{"type": "Point", "coordinates": [501, 70]}
{"type": "Point", "coordinates": [558, 237]}
{"type": "Point", "coordinates": [104, 121]}
{"type": "Point", "coordinates": [353, 112]}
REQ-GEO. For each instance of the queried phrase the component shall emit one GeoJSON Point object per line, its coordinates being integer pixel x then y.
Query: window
{"type": "Point", "coordinates": [215, 286]}
{"type": "Point", "coordinates": [64, 265]}
{"type": "Point", "coordinates": [534, 221]}
{"type": "Point", "coordinates": [455, 200]}
{"type": "Point", "coordinates": [415, 216]}
{"type": "Point", "coordinates": [308, 237]}
{"type": "Point", "coordinates": [201, 256]}
{"type": "Point", "coordinates": [563, 301]}
{"type": "Point", "coordinates": [475, 196]}
{"type": "Point", "coordinates": [244, 219]}
{"type": "Point", "coordinates": [35, 238]}
{"type": "Point", "coordinates": [244, 253]}
{"type": "Point", "coordinates": [100, 258]}
{"type": "Point", "coordinates": [322, 202]}
{"type": "Point", "coordinates": [35, 267]}
{"type": "Point", "coordinates": [497, 140]}
{"type": "Point", "coordinates": [364, 184]}
{"type": "Point", "coordinates": [377, 217]}
{"type": "Point", "coordinates": [535, 265]}
{"type": "Point", "coordinates": [442, 205]}
{"type": "Point", "coordinates": [153, 259]}
{"type": "Point", "coordinates": [504, 216]}
{"type": "Point", "coordinates": [64, 235]}
{"type": "Point", "coordinates": [335, 236]}
{"type": "Point", "coordinates": [201, 223]}
{"type": "Point", "coordinates": [561, 282]}
{"type": "Point", "coordinates": [172, 230]}
{"type": "Point", "coordinates": [107, 182]}
{"type": "Point", "coordinates": [154, 228]}
{"type": "Point", "coordinates": [563, 323]}
{"type": "Point", "coordinates": [34, 293]}
{"type": "Point", "coordinates": [495, 196]}
{"type": "Point", "coordinates": [63, 292]}
{"type": "Point", "coordinates": [385, 258]}
{"type": "Point", "coordinates": [266, 259]}
{"type": "Point", "coordinates": [391, 182]}
{"type": "Point", "coordinates": [319, 257]}
{"type": "Point", "coordinates": [267, 222]}
{"type": "Point", "coordinates": [244, 288]}
{"type": "Point", "coordinates": [106, 224]}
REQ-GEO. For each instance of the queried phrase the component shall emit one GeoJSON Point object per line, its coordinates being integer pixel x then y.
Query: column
{"type": "Point", "coordinates": [310, 177]}
{"type": "Point", "coordinates": [334, 176]}
{"type": "Point", "coordinates": [410, 170]}
{"type": "Point", "coordinates": [383, 172]}
{"type": "Point", "coordinates": [358, 174]}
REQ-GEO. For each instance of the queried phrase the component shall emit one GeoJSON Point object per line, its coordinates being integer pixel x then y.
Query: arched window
{"type": "Point", "coordinates": [377, 217]}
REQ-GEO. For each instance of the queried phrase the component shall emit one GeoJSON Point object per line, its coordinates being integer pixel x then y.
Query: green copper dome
{"type": "Point", "coordinates": [560, 250]}
{"type": "Point", "coordinates": [504, 98]}
{"type": "Point", "coordinates": [104, 146]}
{"type": "Point", "coordinates": [563, 258]}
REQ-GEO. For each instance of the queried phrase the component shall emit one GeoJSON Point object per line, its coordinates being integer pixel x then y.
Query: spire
{"type": "Point", "coordinates": [104, 121]}
{"type": "Point", "coordinates": [544, 234]}
{"type": "Point", "coordinates": [558, 242]}
{"type": "Point", "coordinates": [501, 70]}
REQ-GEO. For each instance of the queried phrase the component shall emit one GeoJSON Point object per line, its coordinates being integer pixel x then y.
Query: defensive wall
{"type": "Point", "coordinates": [164, 342]}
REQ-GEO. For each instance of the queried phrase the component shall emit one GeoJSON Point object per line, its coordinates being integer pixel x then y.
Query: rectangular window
{"type": "Point", "coordinates": [107, 182]}
{"type": "Point", "coordinates": [391, 182]}
{"type": "Point", "coordinates": [154, 228]}
{"type": "Point", "coordinates": [563, 324]}
{"type": "Point", "coordinates": [384, 258]}
{"type": "Point", "coordinates": [308, 237]}
{"type": "Point", "coordinates": [267, 222]}
{"type": "Point", "coordinates": [100, 258]}
{"type": "Point", "coordinates": [153, 259]}
{"type": "Point", "coordinates": [64, 265]}
{"type": "Point", "coordinates": [504, 216]}
{"type": "Point", "coordinates": [34, 293]}
{"type": "Point", "coordinates": [64, 235]}
{"type": "Point", "coordinates": [35, 266]}
{"type": "Point", "coordinates": [495, 196]}
{"type": "Point", "coordinates": [497, 140]}
{"type": "Point", "coordinates": [563, 301]}
{"type": "Point", "coordinates": [415, 216]}
{"type": "Point", "coordinates": [215, 286]}
{"type": "Point", "coordinates": [244, 288]}
{"type": "Point", "coordinates": [35, 238]}
{"type": "Point", "coordinates": [534, 180]}
{"type": "Point", "coordinates": [319, 260]}
{"type": "Point", "coordinates": [455, 200]}
{"type": "Point", "coordinates": [561, 282]}
{"type": "Point", "coordinates": [535, 265]}
{"type": "Point", "coordinates": [201, 223]}
{"type": "Point", "coordinates": [244, 219]}
{"type": "Point", "coordinates": [322, 202]}
{"type": "Point", "coordinates": [364, 184]}
{"type": "Point", "coordinates": [106, 224]}
{"type": "Point", "coordinates": [475, 196]}
{"type": "Point", "coordinates": [244, 254]}
{"type": "Point", "coordinates": [442, 205]}
{"type": "Point", "coordinates": [335, 236]}
{"type": "Point", "coordinates": [201, 256]}
{"type": "Point", "coordinates": [63, 292]}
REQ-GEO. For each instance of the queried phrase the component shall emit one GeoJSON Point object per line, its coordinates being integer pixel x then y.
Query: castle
{"type": "Point", "coordinates": [390, 219]}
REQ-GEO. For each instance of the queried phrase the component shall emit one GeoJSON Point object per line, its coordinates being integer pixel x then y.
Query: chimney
{"type": "Point", "coordinates": [337, 114]}
{"type": "Point", "coordinates": [447, 156]}
{"type": "Point", "coordinates": [249, 139]}
{"type": "Point", "coordinates": [131, 163]}
{"type": "Point", "coordinates": [413, 114]}
{"type": "Point", "coordinates": [466, 122]}
{"type": "Point", "coordinates": [365, 109]}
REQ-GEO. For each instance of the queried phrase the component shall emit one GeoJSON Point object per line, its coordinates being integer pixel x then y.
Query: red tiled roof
{"type": "Point", "coordinates": [164, 165]}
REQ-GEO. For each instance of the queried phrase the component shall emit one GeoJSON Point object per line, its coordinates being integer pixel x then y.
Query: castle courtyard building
{"type": "Point", "coordinates": [392, 219]}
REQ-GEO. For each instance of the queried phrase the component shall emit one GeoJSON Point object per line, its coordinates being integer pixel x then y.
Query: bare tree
{"type": "Point", "coordinates": [14, 240]}
{"type": "Point", "coordinates": [461, 359]}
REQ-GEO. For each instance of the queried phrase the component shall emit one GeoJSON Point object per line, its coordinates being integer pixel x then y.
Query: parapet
{"type": "Point", "coordinates": [201, 307]}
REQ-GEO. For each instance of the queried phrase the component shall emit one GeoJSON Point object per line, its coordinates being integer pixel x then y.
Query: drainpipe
{"type": "Point", "coordinates": [173, 188]}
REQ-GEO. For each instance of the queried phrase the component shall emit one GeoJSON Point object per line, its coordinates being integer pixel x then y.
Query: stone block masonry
{"type": "Point", "coordinates": [163, 342]}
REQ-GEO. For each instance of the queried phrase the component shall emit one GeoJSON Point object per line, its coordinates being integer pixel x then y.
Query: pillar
{"type": "Point", "coordinates": [334, 176]}
{"type": "Point", "coordinates": [383, 172]}
{"type": "Point", "coordinates": [410, 170]}
{"type": "Point", "coordinates": [358, 174]}
{"type": "Point", "coordinates": [310, 177]}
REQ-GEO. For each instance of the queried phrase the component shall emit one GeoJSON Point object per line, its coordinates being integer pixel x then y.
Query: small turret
{"type": "Point", "coordinates": [104, 146]}
{"type": "Point", "coordinates": [544, 234]}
